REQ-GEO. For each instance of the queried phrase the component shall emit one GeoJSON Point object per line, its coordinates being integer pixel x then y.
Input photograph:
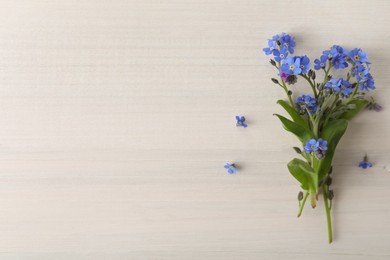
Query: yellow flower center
{"type": "Point", "coordinates": [360, 74]}
{"type": "Point", "coordinates": [313, 146]}
{"type": "Point", "coordinates": [356, 57]}
{"type": "Point", "coordinates": [292, 67]}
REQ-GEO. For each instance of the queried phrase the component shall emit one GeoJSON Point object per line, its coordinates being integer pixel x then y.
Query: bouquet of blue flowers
{"type": "Point", "coordinates": [321, 118]}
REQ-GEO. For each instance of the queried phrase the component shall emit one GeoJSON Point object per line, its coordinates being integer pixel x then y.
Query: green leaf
{"type": "Point", "coordinates": [301, 132]}
{"type": "Point", "coordinates": [332, 133]}
{"type": "Point", "coordinates": [295, 116]}
{"type": "Point", "coordinates": [304, 173]}
{"type": "Point", "coordinates": [359, 104]}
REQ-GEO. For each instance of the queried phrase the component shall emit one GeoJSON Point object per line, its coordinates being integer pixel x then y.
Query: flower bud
{"type": "Point", "coordinates": [314, 75]}
{"type": "Point", "coordinates": [330, 194]}
{"type": "Point", "coordinates": [297, 150]}
{"type": "Point", "coordinates": [289, 92]}
{"type": "Point", "coordinates": [273, 63]}
{"type": "Point", "coordinates": [300, 195]}
{"type": "Point", "coordinates": [328, 181]}
{"type": "Point", "coordinates": [275, 81]}
{"type": "Point", "coordinates": [310, 73]}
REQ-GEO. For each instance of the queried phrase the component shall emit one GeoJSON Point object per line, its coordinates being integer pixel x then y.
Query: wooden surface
{"type": "Point", "coordinates": [117, 118]}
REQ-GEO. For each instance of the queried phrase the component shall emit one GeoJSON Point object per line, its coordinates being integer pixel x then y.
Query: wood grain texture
{"type": "Point", "coordinates": [117, 118]}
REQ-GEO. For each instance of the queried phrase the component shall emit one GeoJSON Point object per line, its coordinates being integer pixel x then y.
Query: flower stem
{"type": "Point", "coordinates": [328, 218]}
{"type": "Point", "coordinates": [311, 84]}
{"type": "Point", "coordinates": [303, 203]}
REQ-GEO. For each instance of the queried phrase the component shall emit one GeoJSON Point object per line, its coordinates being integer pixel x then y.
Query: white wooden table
{"type": "Point", "coordinates": [117, 118]}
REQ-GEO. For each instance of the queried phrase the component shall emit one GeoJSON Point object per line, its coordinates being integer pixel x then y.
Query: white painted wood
{"type": "Point", "coordinates": [118, 116]}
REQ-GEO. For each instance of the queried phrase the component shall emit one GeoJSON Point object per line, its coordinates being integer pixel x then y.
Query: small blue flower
{"type": "Point", "coordinates": [231, 168]}
{"type": "Point", "coordinates": [287, 41]}
{"type": "Point", "coordinates": [346, 87]}
{"type": "Point", "coordinates": [271, 47]}
{"type": "Point", "coordinates": [368, 84]}
{"type": "Point", "coordinates": [365, 163]}
{"type": "Point", "coordinates": [311, 146]}
{"type": "Point", "coordinates": [304, 63]}
{"type": "Point", "coordinates": [278, 42]}
{"type": "Point", "coordinates": [291, 65]}
{"type": "Point", "coordinates": [304, 103]}
{"type": "Point", "coordinates": [322, 144]}
{"type": "Point", "coordinates": [241, 121]}
{"type": "Point", "coordinates": [360, 71]}
{"type": "Point", "coordinates": [280, 54]}
{"type": "Point", "coordinates": [358, 56]}
{"type": "Point", "coordinates": [333, 84]}
{"type": "Point", "coordinates": [320, 63]}
{"type": "Point", "coordinates": [339, 55]}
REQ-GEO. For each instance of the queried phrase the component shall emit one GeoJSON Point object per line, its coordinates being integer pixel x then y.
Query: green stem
{"type": "Point", "coordinates": [311, 84]}
{"type": "Point", "coordinates": [303, 204]}
{"type": "Point", "coordinates": [328, 218]}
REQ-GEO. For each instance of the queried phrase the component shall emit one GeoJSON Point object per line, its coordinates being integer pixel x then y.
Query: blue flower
{"type": "Point", "coordinates": [358, 56]}
{"type": "Point", "coordinates": [278, 42]}
{"type": "Point", "coordinates": [280, 54]}
{"type": "Point", "coordinates": [304, 63]}
{"type": "Point", "coordinates": [333, 84]}
{"type": "Point", "coordinates": [241, 121]}
{"type": "Point", "coordinates": [368, 83]}
{"type": "Point", "coordinates": [365, 163]}
{"type": "Point", "coordinates": [287, 41]}
{"type": "Point", "coordinates": [320, 63]}
{"type": "Point", "coordinates": [271, 47]}
{"type": "Point", "coordinates": [291, 65]}
{"type": "Point", "coordinates": [304, 103]}
{"type": "Point", "coordinates": [322, 144]}
{"type": "Point", "coordinates": [346, 87]}
{"type": "Point", "coordinates": [231, 168]}
{"type": "Point", "coordinates": [360, 71]}
{"type": "Point", "coordinates": [311, 146]}
{"type": "Point", "coordinates": [339, 55]}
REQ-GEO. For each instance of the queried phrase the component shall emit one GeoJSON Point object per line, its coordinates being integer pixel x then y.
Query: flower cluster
{"type": "Point", "coordinates": [306, 104]}
{"type": "Point", "coordinates": [320, 119]}
{"type": "Point", "coordinates": [318, 147]}
{"type": "Point", "coordinates": [339, 85]}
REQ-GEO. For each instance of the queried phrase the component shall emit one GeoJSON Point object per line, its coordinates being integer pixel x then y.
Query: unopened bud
{"type": "Point", "coordinates": [300, 196]}
{"type": "Point", "coordinates": [275, 81]}
{"type": "Point", "coordinates": [297, 150]}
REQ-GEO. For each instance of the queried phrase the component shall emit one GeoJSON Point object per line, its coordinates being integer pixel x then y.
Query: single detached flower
{"type": "Point", "coordinates": [231, 168]}
{"type": "Point", "coordinates": [241, 121]}
{"type": "Point", "coordinates": [365, 163]}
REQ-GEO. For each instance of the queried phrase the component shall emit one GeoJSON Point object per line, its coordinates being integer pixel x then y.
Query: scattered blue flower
{"type": "Point", "coordinates": [320, 63]}
{"type": "Point", "coordinates": [231, 168]}
{"type": "Point", "coordinates": [241, 121]}
{"type": "Point", "coordinates": [358, 56]}
{"type": "Point", "coordinates": [306, 102]}
{"type": "Point", "coordinates": [364, 164]}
